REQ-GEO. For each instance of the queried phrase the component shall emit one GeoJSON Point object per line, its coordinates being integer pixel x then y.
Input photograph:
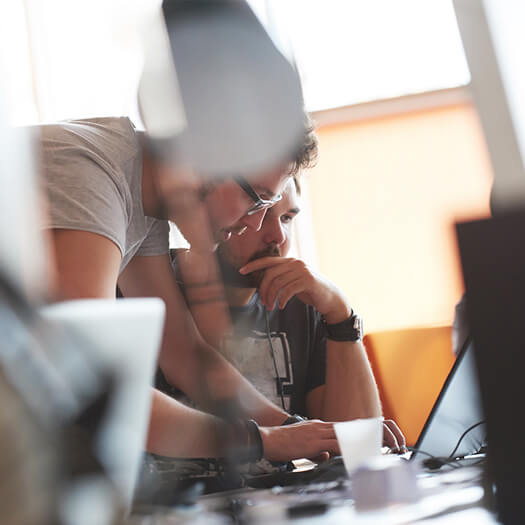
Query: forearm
{"type": "Point", "coordinates": [350, 390]}
{"type": "Point", "coordinates": [205, 295]}
{"type": "Point", "coordinates": [209, 379]}
{"type": "Point", "coordinates": [186, 360]}
{"type": "Point", "coordinates": [214, 379]}
{"type": "Point", "coordinates": [179, 431]}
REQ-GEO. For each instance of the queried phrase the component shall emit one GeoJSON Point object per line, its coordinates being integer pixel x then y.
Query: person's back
{"type": "Point", "coordinates": [92, 174]}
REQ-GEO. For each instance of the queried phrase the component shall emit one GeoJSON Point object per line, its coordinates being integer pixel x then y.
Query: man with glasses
{"type": "Point", "coordinates": [293, 333]}
{"type": "Point", "coordinates": [109, 202]}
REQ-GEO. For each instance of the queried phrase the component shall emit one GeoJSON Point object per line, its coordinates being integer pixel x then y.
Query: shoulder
{"type": "Point", "coordinates": [117, 126]}
{"type": "Point", "coordinates": [111, 140]}
{"type": "Point", "coordinates": [91, 127]}
{"type": "Point", "coordinates": [87, 175]}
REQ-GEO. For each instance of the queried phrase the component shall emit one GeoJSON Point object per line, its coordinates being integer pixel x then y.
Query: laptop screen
{"type": "Point", "coordinates": [457, 409]}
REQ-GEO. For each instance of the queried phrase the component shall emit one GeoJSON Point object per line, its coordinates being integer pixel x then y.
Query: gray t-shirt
{"type": "Point", "coordinates": [92, 172]}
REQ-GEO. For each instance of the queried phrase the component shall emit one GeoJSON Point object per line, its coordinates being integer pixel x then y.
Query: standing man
{"type": "Point", "coordinates": [109, 201]}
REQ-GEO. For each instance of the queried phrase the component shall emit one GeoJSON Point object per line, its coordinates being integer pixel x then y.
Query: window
{"type": "Point", "coordinates": [352, 51]}
{"type": "Point", "coordinates": [70, 59]}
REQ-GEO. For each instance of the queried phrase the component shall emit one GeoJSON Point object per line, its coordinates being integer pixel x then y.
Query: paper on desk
{"type": "Point", "coordinates": [359, 440]}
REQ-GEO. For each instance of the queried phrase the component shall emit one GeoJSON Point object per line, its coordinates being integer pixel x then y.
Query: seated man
{"type": "Point", "coordinates": [283, 313]}
{"type": "Point", "coordinates": [293, 331]}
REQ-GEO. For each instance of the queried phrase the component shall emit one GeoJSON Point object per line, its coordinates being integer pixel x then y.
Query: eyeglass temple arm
{"type": "Point", "coordinates": [241, 181]}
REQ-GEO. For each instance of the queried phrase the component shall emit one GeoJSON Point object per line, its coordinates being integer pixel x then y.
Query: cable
{"type": "Point", "coordinates": [472, 427]}
{"type": "Point", "coordinates": [435, 462]}
{"type": "Point", "coordinates": [419, 451]}
{"type": "Point", "coordinates": [277, 376]}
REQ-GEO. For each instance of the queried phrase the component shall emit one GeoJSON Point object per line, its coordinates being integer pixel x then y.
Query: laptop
{"type": "Point", "coordinates": [455, 427]}
{"type": "Point", "coordinates": [117, 338]}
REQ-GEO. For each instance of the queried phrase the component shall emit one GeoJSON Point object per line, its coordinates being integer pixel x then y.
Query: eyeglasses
{"type": "Point", "coordinates": [260, 203]}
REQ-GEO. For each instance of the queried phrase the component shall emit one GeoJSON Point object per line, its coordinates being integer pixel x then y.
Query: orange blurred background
{"type": "Point", "coordinates": [384, 198]}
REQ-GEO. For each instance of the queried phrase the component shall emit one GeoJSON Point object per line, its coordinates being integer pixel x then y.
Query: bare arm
{"type": "Point", "coordinates": [87, 267]}
{"type": "Point", "coordinates": [350, 391]}
{"type": "Point", "coordinates": [201, 434]}
{"type": "Point", "coordinates": [179, 431]}
{"type": "Point", "coordinates": [187, 361]}
{"type": "Point", "coordinates": [87, 264]}
{"type": "Point", "coordinates": [205, 294]}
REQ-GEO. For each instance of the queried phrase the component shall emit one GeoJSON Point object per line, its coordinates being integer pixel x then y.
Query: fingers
{"type": "Point", "coordinates": [392, 425]}
{"type": "Point", "coordinates": [393, 437]}
{"type": "Point", "coordinates": [331, 446]}
{"type": "Point", "coordinates": [302, 440]}
{"type": "Point", "coordinates": [389, 439]}
{"type": "Point", "coordinates": [262, 263]}
{"type": "Point", "coordinates": [290, 290]}
{"type": "Point", "coordinates": [283, 279]}
{"type": "Point", "coordinates": [278, 277]}
{"type": "Point", "coordinates": [321, 458]}
{"type": "Point", "coordinates": [273, 281]}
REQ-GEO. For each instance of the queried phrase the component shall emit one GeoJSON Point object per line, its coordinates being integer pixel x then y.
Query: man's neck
{"type": "Point", "coordinates": [238, 296]}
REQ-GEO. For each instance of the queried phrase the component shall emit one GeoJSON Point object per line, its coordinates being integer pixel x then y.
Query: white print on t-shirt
{"type": "Point", "coordinates": [252, 356]}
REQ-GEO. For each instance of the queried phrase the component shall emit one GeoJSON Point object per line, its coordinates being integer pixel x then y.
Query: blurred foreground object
{"type": "Point", "coordinates": [241, 100]}
{"type": "Point", "coordinates": [28, 453]}
{"type": "Point", "coordinates": [119, 341]}
{"type": "Point", "coordinates": [492, 31]}
{"type": "Point", "coordinates": [28, 445]}
{"type": "Point", "coordinates": [23, 256]}
{"type": "Point", "coordinates": [45, 383]}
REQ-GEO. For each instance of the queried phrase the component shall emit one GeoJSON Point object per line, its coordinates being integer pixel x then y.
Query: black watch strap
{"type": "Point", "coordinates": [350, 329]}
{"type": "Point", "coordinates": [292, 419]}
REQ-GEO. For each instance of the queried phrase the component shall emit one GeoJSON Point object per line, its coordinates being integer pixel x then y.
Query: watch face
{"type": "Point", "coordinates": [349, 330]}
{"type": "Point", "coordinates": [358, 327]}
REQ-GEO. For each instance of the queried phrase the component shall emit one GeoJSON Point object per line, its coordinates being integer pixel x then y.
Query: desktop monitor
{"type": "Point", "coordinates": [493, 250]}
{"type": "Point", "coordinates": [493, 260]}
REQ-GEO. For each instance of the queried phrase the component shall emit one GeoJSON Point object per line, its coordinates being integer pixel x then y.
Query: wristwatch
{"type": "Point", "coordinates": [350, 329]}
{"type": "Point", "coordinates": [292, 419]}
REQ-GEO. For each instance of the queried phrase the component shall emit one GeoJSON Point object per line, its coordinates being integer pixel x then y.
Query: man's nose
{"type": "Point", "coordinates": [254, 222]}
{"type": "Point", "coordinates": [274, 232]}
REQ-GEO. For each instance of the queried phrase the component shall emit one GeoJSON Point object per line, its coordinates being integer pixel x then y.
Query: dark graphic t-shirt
{"type": "Point", "coordinates": [297, 350]}
{"type": "Point", "coordinates": [281, 352]}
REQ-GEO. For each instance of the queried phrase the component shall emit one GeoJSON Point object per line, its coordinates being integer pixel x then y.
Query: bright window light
{"type": "Point", "coordinates": [352, 51]}
{"type": "Point", "coordinates": [71, 59]}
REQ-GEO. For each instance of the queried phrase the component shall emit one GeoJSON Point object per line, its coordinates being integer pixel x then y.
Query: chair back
{"type": "Point", "coordinates": [410, 367]}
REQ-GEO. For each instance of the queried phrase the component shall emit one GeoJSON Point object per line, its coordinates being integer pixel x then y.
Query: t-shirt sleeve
{"type": "Point", "coordinates": [157, 239]}
{"type": "Point", "coordinates": [316, 375]}
{"type": "Point", "coordinates": [81, 195]}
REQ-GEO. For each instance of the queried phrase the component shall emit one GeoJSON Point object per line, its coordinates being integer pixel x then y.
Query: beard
{"type": "Point", "coordinates": [231, 275]}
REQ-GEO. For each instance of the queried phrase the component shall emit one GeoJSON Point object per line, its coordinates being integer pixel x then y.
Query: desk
{"type": "Point", "coordinates": [448, 498]}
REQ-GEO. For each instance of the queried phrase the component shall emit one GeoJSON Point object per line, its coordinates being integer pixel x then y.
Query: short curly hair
{"type": "Point", "coordinates": [308, 151]}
